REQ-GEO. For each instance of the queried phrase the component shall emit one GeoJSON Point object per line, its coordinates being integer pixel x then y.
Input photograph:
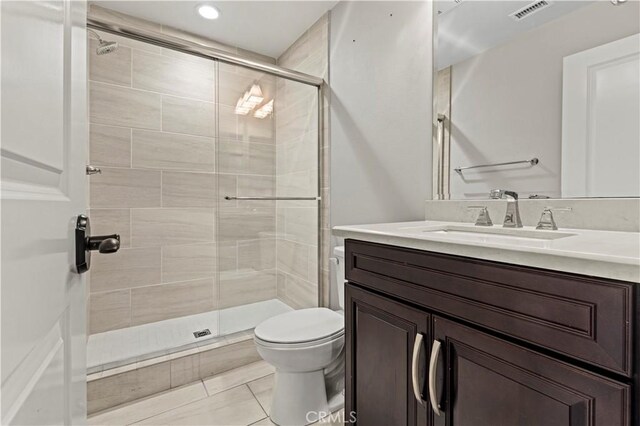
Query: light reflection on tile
{"type": "Point", "coordinates": [236, 406]}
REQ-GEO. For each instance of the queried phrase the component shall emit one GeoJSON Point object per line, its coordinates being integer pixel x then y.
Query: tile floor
{"type": "Point", "coordinates": [118, 347]}
{"type": "Point", "coordinates": [237, 397]}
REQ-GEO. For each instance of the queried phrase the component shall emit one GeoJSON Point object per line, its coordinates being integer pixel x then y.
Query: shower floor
{"type": "Point", "coordinates": [115, 348]}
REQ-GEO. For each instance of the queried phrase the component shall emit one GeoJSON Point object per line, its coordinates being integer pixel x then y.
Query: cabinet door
{"type": "Point", "coordinates": [489, 381]}
{"type": "Point", "coordinates": [385, 349]}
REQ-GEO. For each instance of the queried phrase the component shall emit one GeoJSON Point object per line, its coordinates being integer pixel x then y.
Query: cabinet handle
{"type": "Point", "coordinates": [433, 366]}
{"type": "Point", "coordinates": [415, 368]}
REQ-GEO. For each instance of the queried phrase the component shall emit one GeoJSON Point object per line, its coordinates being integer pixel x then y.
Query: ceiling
{"type": "Point", "coordinates": [266, 27]}
{"type": "Point", "coordinates": [469, 27]}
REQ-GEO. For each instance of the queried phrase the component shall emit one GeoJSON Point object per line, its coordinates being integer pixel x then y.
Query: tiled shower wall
{"type": "Point", "coordinates": [297, 171]}
{"type": "Point", "coordinates": [154, 127]}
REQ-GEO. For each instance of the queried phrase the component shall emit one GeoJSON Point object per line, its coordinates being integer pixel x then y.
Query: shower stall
{"type": "Point", "coordinates": [209, 171]}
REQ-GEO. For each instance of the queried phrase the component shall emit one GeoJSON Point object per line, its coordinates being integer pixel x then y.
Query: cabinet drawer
{"type": "Point", "coordinates": [585, 318]}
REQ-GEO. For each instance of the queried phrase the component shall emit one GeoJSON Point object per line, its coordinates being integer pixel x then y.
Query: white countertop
{"type": "Point", "coordinates": [607, 254]}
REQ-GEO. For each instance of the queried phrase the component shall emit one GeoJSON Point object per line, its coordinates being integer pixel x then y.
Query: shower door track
{"type": "Point", "coordinates": [208, 52]}
{"type": "Point", "coordinates": [186, 46]}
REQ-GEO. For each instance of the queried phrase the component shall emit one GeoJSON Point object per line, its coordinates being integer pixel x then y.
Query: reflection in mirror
{"type": "Point", "coordinates": [544, 96]}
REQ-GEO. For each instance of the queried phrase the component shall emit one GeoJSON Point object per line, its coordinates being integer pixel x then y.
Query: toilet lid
{"type": "Point", "coordinates": [299, 326]}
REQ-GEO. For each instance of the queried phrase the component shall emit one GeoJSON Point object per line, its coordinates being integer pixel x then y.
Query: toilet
{"type": "Point", "coordinates": [306, 348]}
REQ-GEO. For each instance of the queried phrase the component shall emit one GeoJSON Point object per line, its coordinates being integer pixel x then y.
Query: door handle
{"type": "Point", "coordinates": [416, 373]}
{"type": "Point", "coordinates": [104, 243]}
{"type": "Point", "coordinates": [85, 244]}
{"type": "Point", "coordinates": [433, 366]}
{"type": "Point", "coordinates": [93, 170]}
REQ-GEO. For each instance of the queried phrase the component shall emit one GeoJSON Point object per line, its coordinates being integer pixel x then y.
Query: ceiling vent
{"type": "Point", "coordinates": [529, 10]}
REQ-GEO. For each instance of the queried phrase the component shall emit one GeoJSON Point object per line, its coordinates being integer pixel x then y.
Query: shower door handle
{"type": "Point", "coordinates": [229, 198]}
{"type": "Point", "coordinates": [85, 243]}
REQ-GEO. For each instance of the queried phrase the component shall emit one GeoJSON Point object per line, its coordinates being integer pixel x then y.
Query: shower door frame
{"type": "Point", "coordinates": [212, 53]}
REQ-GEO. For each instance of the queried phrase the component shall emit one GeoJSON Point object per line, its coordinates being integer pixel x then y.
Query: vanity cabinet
{"type": "Point", "coordinates": [385, 334]}
{"type": "Point", "coordinates": [490, 381]}
{"type": "Point", "coordinates": [489, 343]}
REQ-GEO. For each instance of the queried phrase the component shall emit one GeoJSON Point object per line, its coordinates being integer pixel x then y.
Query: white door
{"type": "Point", "coordinates": [44, 133]}
{"type": "Point", "coordinates": [600, 126]}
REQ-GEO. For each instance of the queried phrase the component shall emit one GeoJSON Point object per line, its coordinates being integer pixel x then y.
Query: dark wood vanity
{"type": "Point", "coordinates": [518, 345]}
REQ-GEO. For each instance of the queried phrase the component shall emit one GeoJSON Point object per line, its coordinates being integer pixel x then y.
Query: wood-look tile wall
{"type": "Point", "coordinates": [297, 172]}
{"type": "Point", "coordinates": [156, 122]}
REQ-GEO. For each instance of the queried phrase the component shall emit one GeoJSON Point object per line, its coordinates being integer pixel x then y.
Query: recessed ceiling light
{"type": "Point", "coordinates": [208, 12]}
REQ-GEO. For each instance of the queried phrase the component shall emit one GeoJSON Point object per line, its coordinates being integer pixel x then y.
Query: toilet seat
{"type": "Point", "coordinates": [304, 345]}
{"type": "Point", "coordinates": [306, 348]}
{"type": "Point", "coordinates": [304, 327]}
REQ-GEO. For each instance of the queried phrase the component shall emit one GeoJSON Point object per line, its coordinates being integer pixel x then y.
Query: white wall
{"type": "Point", "coordinates": [381, 72]}
{"type": "Point", "coordinates": [507, 102]}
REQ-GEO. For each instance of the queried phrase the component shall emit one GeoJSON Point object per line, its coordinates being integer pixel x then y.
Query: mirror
{"type": "Point", "coordinates": [540, 97]}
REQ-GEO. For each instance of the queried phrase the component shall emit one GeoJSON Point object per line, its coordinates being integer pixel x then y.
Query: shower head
{"type": "Point", "coordinates": [105, 46]}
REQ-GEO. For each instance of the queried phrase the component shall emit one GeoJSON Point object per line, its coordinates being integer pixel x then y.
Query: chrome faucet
{"type": "Point", "coordinates": [512, 215]}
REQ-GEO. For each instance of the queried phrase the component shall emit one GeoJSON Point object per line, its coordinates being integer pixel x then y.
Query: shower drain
{"type": "Point", "coordinates": [201, 333]}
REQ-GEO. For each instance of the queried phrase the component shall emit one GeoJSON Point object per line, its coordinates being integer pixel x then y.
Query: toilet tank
{"type": "Point", "coordinates": [338, 278]}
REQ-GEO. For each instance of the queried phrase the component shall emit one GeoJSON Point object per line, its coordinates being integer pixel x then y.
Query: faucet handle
{"type": "Point", "coordinates": [547, 222]}
{"type": "Point", "coordinates": [483, 217]}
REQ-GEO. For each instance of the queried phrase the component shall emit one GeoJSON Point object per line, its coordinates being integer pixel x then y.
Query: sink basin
{"type": "Point", "coordinates": [495, 234]}
{"type": "Point", "coordinates": [504, 232]}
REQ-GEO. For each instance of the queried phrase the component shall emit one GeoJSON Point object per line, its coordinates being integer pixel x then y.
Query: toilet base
{"type": "Point", "coordinates": [336, 402]}
{"type": "Point", "coordinates": [299, 398]}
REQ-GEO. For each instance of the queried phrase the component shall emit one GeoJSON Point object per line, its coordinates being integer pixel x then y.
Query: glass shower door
{"type": "Point", "coordinates": [267, 208]}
